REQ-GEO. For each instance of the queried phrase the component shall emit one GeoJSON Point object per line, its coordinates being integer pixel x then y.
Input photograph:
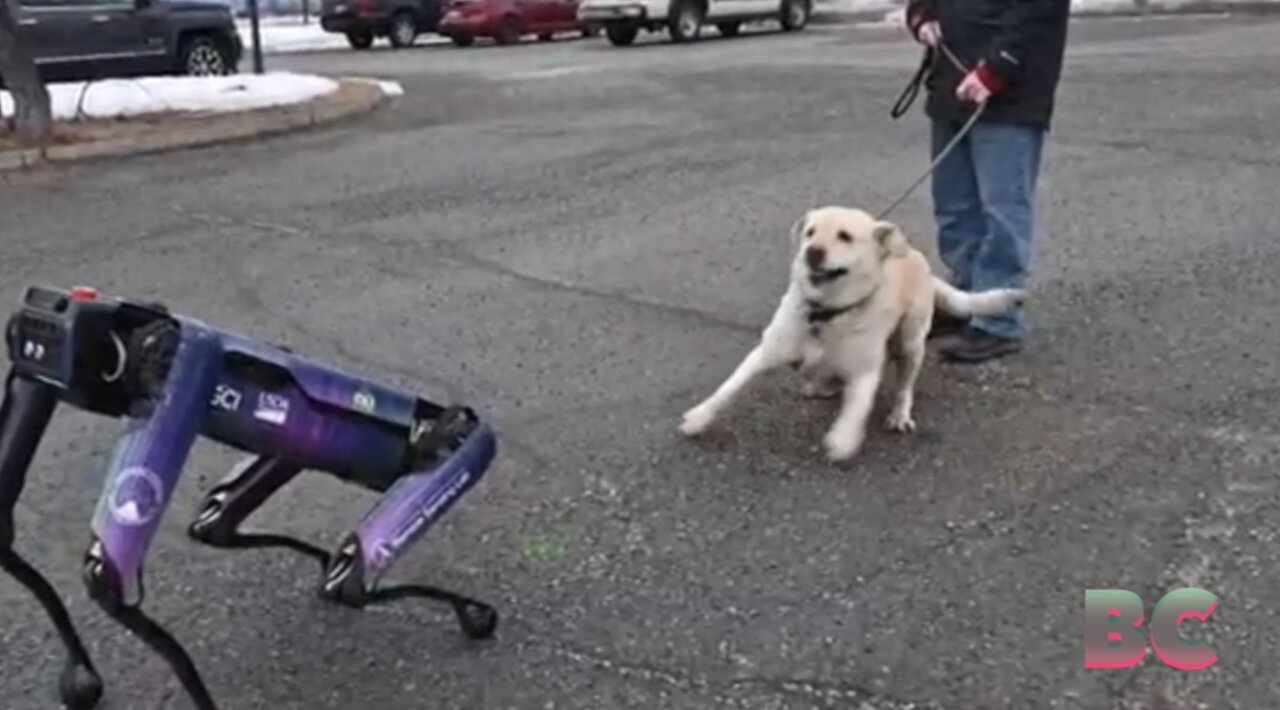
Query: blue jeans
{"type": "Point", "coordinates": [984, 204]}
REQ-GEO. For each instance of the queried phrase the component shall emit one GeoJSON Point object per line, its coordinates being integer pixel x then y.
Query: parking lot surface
{"type": "Point", "coordinates": [581, 241]}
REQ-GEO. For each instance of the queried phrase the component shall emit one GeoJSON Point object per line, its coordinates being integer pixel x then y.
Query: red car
{"type": "Point", "coordinates": [507, 21]}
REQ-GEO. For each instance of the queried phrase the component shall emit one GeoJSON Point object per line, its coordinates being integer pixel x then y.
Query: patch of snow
{"type": "Point", "coordinates": [1078, 6]}
{"type": "Point", "coordinates": [282, 35]}
{"type": "Point", "coordinates": [116, 98]}
{"type": "Point", "coordinates": [894, 18]}
{"type": "Point", "coordinates": [852, 6]}
{"type": "Point", "coordinates": [389, 88]}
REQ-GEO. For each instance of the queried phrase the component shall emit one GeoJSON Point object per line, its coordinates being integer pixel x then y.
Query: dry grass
{"type": "Point", "coordinates": [70, 132]}
{"type": "Point", "coordinates": [87, 131]}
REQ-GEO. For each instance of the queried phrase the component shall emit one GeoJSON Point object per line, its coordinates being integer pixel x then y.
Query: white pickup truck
{"type": "Point", "coordinates": [622, 20]}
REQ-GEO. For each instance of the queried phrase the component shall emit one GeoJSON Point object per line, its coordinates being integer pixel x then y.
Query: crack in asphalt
{"type": "Point", "coordinates": [493, 266]}
{"type": "Point", "coordinates": [811, 689]}
{"type": "Point", "coordinates": [61, 255]}
{"type": "Point", "coordinates": [497, 267]}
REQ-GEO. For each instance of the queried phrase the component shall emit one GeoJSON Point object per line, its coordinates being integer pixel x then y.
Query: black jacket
{"type": "Point", "coordinates": [1020, 42]}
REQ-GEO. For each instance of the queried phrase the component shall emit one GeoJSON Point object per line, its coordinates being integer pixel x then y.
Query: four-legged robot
{"type": "Point", "coordinates": [174, 379]}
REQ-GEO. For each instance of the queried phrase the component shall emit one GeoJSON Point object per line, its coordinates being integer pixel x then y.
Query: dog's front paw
{"type": "Point", "coordinates": [841, 447]}
{"type": "Point", "coordinates": [900, 422]}
{"type": "Point", "coordinates": [697, 420]}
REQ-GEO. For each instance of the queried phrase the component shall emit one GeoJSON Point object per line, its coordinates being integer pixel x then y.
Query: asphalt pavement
{"type": "Point", "coordinates": [581, 241]}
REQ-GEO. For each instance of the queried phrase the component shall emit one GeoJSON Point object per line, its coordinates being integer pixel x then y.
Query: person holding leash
{"type": "Point", "coordinates": [984, 190]}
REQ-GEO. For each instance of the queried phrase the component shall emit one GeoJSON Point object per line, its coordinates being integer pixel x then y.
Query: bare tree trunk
{"type": "Point", "coordinates": [32, 114]}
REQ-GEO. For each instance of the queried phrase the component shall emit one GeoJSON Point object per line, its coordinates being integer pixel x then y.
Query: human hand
{"type": "Point", "coordinates": [929, 33]}
{"type": "Point", "coordinates": [978, 86]}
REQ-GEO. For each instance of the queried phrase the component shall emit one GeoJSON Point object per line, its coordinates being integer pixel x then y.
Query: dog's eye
{"type": "Point", "coordinates": [809, 232]}
{"type": "Point", "coordinates": [844, 236]}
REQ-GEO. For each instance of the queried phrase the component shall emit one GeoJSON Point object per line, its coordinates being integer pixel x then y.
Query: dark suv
{"type": "Point", "coordinates": [77, 40]}
{"type": "Point", "coordinates": [400, 21]}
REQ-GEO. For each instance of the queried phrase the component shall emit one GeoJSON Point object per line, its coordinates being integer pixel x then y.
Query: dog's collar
{"type": "Point", "coordinates": [819, 312]}
{"type": "Point", "coordinates": [825, 277]}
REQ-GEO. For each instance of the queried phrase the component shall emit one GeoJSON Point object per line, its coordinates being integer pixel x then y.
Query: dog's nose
{"type": "Point", "coordinates": [814, 256]}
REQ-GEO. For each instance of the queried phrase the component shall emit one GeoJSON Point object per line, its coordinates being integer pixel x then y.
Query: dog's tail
{"type": "Point", "coordinates": [964, 304]}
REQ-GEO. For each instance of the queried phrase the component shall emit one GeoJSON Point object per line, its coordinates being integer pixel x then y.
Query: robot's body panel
{"type": "Point", "coordinates": [328, 385]}
{"type": "Point", "coordinates": [254, 415]}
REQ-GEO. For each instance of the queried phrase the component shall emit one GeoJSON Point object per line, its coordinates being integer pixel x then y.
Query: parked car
{"type": "Point", "coordinates": [507, 21]}
{"type": "Point", "coordinates": [400, 21]}
{"type": "Point", "coordinates": [683, 20]}
{"type": "Point", "coordinates": [74, 41]}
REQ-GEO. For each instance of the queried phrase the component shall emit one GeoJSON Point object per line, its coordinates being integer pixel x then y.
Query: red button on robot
{"type": "Point", "coordinates": [84, 293]}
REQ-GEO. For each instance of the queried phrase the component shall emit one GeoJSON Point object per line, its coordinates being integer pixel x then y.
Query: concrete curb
{"type": "Point", "coordinates": [831, 13]}
{"type": "Point", "coordinates": [353, 97]}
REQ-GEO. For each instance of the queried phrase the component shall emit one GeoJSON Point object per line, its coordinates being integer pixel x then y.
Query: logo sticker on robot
{"type": "Point", "coordinates": [272, 408]}
{"type": "Point", "coordinates": [226, 398]}
{"type": "Point", "coordinates": [364, 401]}
{"type": "Point", "coordinates": [136, 497]}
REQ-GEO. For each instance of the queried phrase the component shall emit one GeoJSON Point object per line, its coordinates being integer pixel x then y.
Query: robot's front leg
{"type": "Point", "coordinates": [24, 414]}
{"type": "Point", "coordinates": [242, 492]}
{"type": "Point", "coordinates": [177, 371]}
{"type": "Point", "coordinates": [452, 458]}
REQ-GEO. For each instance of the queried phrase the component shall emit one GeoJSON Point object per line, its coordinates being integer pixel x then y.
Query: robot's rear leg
{"type": "Point", "coordinates": [237, 496]}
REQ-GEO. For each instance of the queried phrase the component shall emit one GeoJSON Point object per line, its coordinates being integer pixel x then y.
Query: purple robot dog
{"type": "Point", "coordinates": [174, 379]}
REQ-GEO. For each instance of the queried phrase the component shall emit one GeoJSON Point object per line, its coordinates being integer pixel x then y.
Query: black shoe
{"type": "Point", "coordinates": [945, 324]}
{"type": "Point", "coordinates": [975, 346]}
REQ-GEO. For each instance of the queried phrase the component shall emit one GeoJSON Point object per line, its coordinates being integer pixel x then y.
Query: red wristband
{"type": "Point", "coordinates": [988, 78]}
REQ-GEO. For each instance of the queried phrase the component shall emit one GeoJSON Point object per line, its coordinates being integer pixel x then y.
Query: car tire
{"type": "Point", "coordinates": [509, 31]}
{"type": "Point", "coordinates": [203, 55]}
{"type": "Point", "coordinates": [403, 29]}
{"type": "Point", "coordinates": [795, 14]}
{"type": "Point", "coordinates": [686, 21]}
{"type": "Point", "coordinates": [462, 40]}
{"type": "Point", "coordinates": [729, 29]}
{"type": "Point", "coordinates": [621, 35]}
{"type": "Point", "coordinates": [360, 39]}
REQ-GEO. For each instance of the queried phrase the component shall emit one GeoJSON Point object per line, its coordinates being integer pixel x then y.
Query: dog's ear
{"type": "Point", "coordinates": [797, 229]}
{"type": "Point", "coordinates": [891, 239]}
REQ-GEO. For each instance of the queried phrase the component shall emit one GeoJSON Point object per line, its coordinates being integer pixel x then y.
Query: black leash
{"type": "Point", "coordinates": [908, 97]}
{"type": "Point", "coordinates": [912, 90]}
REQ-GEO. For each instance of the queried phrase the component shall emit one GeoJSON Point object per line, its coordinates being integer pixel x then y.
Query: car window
{"type": "Point", "coordinates": [44, 4]}
{"type": "Point", "coordinates": [66, 4]}
{"type": "Point", "coordinates": [71, 5]}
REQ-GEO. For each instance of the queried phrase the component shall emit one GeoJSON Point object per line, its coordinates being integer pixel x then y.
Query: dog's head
{"type": "Point", "coordinates": [837, 243]}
